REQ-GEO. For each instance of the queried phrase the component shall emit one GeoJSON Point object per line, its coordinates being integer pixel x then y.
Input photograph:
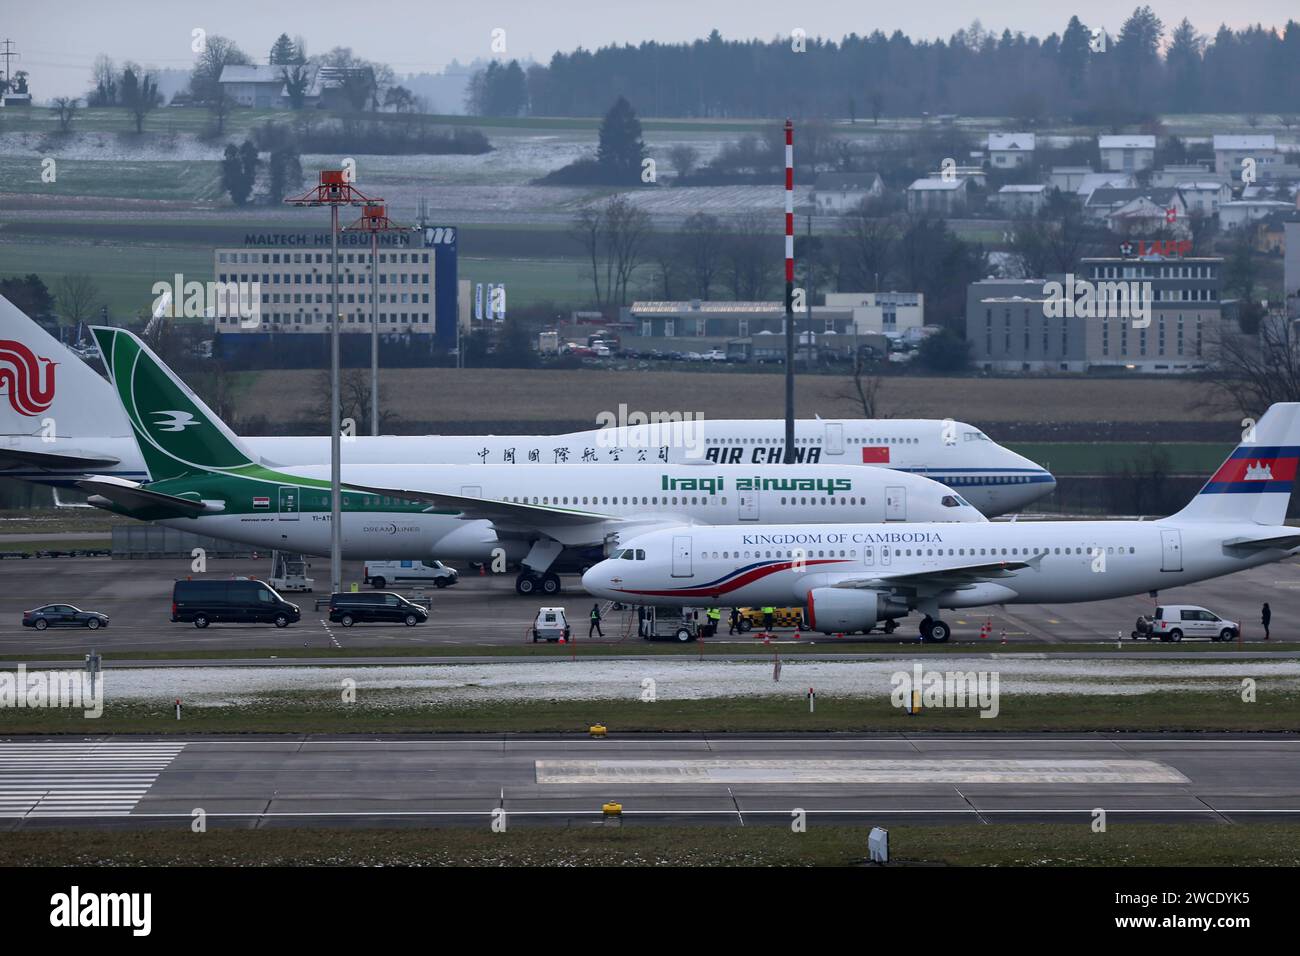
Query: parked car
{"type": "Point", "coordinates": [383, 607]}
{"type": "Point", "coordinates": [715, 355]}
{"type": "Point", "coordinates": [239, 600]}
{"type": "Point", "coordinates": [63, 615]}
{"type": "Point", "coordinates": [380, 574]}
{"type": "Point", "coordinates": [1173, 622]}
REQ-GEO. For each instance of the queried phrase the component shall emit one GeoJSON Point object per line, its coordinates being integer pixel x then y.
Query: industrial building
{"type": "Point", "coordinates": [1013, 326]}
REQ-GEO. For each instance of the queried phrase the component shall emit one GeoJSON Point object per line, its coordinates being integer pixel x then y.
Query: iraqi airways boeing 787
{"type": "Point", "coordinates": [207, 482]}
{"type": "Point", "coordinates": [853, 576]}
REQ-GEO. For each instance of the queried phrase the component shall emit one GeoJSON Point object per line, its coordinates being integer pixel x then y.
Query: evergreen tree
{"type": "Point", "coordinates": [621, 150]}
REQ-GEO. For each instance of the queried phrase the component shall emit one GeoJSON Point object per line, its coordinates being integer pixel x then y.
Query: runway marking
{"type": "Point", "coordinates": [911, 771]}
{"type": "Point", "coordinates": [66, 779]}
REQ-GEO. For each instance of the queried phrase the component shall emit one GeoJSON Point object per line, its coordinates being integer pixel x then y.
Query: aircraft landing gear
{"type": "Point", "coordinates": [935, 630]}
{"type": "Point", "coordinates": [891, 625]}
{"type": "Point", "coordinates": [529, 582]}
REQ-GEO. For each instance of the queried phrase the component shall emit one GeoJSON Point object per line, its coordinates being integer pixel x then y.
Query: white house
{"type": "Point", "coordinates": [1068, 179]}
{"type": "Point", "coordinates": [1172, 174]}
{"type": "Point", "coordinates": [258, 87]}
{"type": "Point", "coordinates": [1205, 196]}
{"type": "Point", "coordinates": [941, 196]}
{"type": "Point", "coordinates": [1020, 200]}
{"type": "Point", "coordinates": [1242, 212]}
{"type": "Point", "coordinates": [1229, 151]}
{"type": "Point", "coordinates": [1138, 212]}
{"type": "Point", "coordinates": [1094, 181]}
{"type": "Point", "coordinates": [1010, 150]}
{"type": "Point", "coordinates": [1128, 153]}
{"type": "Point", "coordinates": [835, 193]}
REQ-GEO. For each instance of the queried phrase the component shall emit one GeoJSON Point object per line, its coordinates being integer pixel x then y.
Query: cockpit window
{"type": "Point", "coordinates": [950, 501]}
{"type": "Point", "coordinates": [628, 554]}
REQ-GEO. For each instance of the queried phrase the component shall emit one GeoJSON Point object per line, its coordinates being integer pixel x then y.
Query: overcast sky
{"type": "Point", "coordinates": [58, 41]}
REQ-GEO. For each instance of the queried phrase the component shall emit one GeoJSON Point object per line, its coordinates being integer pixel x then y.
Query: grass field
{"type": "Point", "coordinates": [1042, 844]}
{"type": "Point", "coordinates": [158, 180]}
{"type": "Point", "coordinates": [467, 395]}
{"type": "Point", "coordinates": [1277, 709]}
{"type": "Point", "coordinates": [1095, 458]}
{"type": "Point", "coordinates": [750, 647]}
{"type": "Point", "coordinates": [125, 274]}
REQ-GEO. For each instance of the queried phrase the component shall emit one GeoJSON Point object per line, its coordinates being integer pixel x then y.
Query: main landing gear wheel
{"type": "Point", "coordinates": [550, 583]}
{"type": "Point", "coordinates": [939, 632]}
{"type": "Point", "coordinates": [526, 584]}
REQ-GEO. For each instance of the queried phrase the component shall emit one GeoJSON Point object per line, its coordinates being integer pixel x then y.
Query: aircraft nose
{"type": "Point", "coordinates": [596, 578]}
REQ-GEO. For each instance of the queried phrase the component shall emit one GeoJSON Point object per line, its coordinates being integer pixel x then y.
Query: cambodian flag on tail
{"type": "Point", "coordinates": [1254, 484]}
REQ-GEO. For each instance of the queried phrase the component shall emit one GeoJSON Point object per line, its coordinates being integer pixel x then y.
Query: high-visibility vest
{"type": "Point", "coordinates": [769, 610]}
{"type": "Point", "coordinates": [714, 614]}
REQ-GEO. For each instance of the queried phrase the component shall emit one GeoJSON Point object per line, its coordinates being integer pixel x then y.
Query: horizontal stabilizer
{"type": "Point", "coordinates": [1282, 542]}
{"type": "Point", "coordinates": [133, 496]}
{"type": "Point", "coordinates": [21, 458]}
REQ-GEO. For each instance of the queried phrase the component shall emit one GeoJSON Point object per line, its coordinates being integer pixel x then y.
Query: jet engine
{"type": "Point", "coordinates": [831, 610]}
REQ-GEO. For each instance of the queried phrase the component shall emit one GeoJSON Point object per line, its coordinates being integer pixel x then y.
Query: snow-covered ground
{"type": "Point", "coordinates": [674, 679]}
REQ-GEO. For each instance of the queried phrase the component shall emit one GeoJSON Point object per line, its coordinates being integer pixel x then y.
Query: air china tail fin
{"type": "Point", "coordinates": [1255, 483]}
{"type": "Point", "coordinates": [47, 389]}
{"type": "Point", "coordinates": [177, 433]}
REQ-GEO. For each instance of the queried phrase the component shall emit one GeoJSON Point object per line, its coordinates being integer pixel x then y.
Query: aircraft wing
{"type": "Point", "coordinates": [497, 511]}
{"type": "Point", "coordinates": [1281, 542]}
{"type": "Point", "coordinates": [134, 497]}
{"type": "Point", "coordinates": [940, 579]}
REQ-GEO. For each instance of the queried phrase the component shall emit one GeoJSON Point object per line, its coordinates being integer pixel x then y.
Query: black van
{"type": "Point", "coordinates": [243, 600]}
{"type": "Point", "coordinates": [349, 607]}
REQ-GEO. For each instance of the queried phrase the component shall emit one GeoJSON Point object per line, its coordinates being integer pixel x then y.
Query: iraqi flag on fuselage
{"type": "Point", "coordinates": [261, 502]}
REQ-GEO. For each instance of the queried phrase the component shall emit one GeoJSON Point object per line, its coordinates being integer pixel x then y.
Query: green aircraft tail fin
{"type": "Point", "coordinates": [177, 433]}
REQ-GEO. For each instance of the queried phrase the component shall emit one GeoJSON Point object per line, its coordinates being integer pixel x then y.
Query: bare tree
{"type": "Point", "coordinates": [586, 230]}
{"type": "Point", "coordinates": [1248, 373]}
{"type": "Point", "coordinates": [218, 53]}
{"type": "Point", "coordinates": [869, 245]}
{"type": "Point", "coordinates": [220, 106]}
{"type": "Point", "coordinates": [684, 159]}
{"type": "Point", "coordinates": [64, 108]}
{"type": "Point", "coordinates": [77, 296]}
{"type": "Point", "coordinates": [613, 238]}
{"type": "Point", "coordinates": [747, 257]}
{"type": "Point", "coordinates": [701, 245]}
{"type": "Point", "coordinates": [866, 387]}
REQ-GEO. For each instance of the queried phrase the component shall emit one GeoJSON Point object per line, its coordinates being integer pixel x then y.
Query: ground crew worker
{"type": "Point", "coordinates": [714, 616]}
{"type": "Point", "coordinates": [1265, 616]}
{"type": "Point", "coordinates": [595, 621]}
{"type": "Point", "coordinates": [769, 615]}
{"type": "Point", "coordinates": [735, 621]}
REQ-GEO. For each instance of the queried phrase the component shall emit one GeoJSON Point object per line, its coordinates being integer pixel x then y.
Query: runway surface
{"type": "Point", "coordinates": [716, 779]}
{"type": "Point", "coordinates": [486, 611]}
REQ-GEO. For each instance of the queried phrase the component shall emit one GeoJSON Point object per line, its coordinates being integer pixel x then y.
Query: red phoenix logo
{"type": "Point", "coordinates": [29, 383]}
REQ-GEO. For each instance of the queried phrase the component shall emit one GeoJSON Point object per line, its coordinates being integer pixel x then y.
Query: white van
{"type": "Point", "coordinates": [382, 574]}
{"type": "Point", "coordinates": [1173, 622]}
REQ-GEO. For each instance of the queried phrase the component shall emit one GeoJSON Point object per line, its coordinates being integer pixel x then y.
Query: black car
{"type": "Point", "coordinates": [63, 615]}
{"type": "Point", "coordinates": [349, 607]}
{"type": "Point", "coordinates": [240, 600]}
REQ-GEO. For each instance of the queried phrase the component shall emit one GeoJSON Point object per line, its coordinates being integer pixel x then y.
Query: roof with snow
{"type": "Point", "coordinates": [1011, 142]}
{"type": "Point", "coordinates": [1266, 142]}
{"type": "Point", "coordinates": [1127, 141]}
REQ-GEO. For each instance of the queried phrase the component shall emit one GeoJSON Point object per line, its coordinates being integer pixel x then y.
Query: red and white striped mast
{"type": "Point", "coordinates": [789, 293]}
